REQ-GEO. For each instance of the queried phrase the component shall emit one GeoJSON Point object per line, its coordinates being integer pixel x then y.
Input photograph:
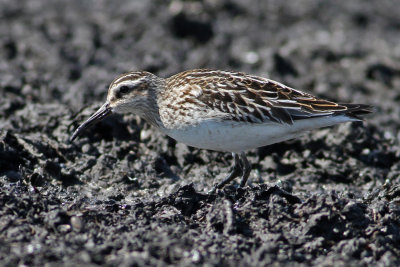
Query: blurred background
{"type": "Point", "coordinates": [123, 194]}
{"type": "Point", "coordinates": [69, 51]}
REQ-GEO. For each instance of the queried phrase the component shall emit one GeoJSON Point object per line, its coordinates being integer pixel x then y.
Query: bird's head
{"type": "Point", "coordinates": [133, 92]}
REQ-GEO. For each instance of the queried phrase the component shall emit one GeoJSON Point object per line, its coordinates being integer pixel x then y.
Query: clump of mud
{"type": "Point", "coordinates": [123, 194]}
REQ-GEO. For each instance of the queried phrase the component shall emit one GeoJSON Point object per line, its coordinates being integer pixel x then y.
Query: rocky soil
{"type": "Point", "coordinates": [125, 195]}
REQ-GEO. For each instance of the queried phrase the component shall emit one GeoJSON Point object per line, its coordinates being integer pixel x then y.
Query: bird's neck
{"type": "Point", "coordinates": [152, 115]}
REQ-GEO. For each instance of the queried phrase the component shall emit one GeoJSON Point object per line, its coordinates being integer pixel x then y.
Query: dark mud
{"type": "Point", "coordinates": [125, 195]}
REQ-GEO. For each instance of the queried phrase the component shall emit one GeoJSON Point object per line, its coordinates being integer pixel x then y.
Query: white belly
{"type": "Point", "coordinates": [238, 137]}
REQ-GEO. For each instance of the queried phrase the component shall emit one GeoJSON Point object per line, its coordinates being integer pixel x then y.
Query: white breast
{"type": "Point", "coordinates": [238, 136]}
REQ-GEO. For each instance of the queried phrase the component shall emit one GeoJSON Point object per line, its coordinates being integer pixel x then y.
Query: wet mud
{"type": "Point", "coordinates": [125, 195]}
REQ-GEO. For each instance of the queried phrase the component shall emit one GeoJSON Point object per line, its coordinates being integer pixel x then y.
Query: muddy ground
{"type": "Point", "coordinates": [125, 195]}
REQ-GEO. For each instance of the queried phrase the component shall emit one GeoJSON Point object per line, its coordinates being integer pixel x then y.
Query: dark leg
{"type": "Point", "coordinates": [246, 168]}
{"type": "Point", "coordinates": [236, 171]}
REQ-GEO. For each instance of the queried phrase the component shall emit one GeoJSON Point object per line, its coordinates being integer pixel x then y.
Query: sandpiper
{"type": "Point", "coordinates": [222, 110]}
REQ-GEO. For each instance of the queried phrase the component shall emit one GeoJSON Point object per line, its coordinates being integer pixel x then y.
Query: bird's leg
{"type": "Point", "coordinates": [236, 171]}
{"type": "Point", "coordinates": [246, 168]}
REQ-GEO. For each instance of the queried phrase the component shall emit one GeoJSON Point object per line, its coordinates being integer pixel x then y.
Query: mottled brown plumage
{"type": "Point", "coordinates": [247, 98]}
{"type": "Point", "coordinates": [222, 110]}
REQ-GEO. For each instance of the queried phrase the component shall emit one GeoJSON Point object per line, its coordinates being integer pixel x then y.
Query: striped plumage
{"type": "Point", "coordinates": [222, 110]}
{"type": "Point", "coordinates": [248, 98]}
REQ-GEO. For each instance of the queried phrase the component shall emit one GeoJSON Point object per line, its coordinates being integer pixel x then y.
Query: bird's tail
{"type": "Point", "coordinates": [356, 111]}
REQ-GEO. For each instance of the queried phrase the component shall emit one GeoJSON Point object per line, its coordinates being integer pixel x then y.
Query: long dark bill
{"type": "Point", "coordinates": [100, 114]}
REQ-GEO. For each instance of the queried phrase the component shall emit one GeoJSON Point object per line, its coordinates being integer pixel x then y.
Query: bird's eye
{"type": "Point", "coordinates": [124, 89]}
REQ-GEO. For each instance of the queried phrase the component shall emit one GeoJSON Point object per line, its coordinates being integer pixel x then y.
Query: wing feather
{"type": "Point", "coordinates": [247, 98]}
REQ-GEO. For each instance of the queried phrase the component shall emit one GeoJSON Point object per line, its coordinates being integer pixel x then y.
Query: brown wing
{"type": "Point", "coordinates": [248, 98]}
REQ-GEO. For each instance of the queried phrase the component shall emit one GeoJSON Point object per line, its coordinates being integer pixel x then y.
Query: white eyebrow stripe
{"type": "Point", "coordinates": [128, 82]}
{"type": "Point", "coordinates": [128, 78]}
